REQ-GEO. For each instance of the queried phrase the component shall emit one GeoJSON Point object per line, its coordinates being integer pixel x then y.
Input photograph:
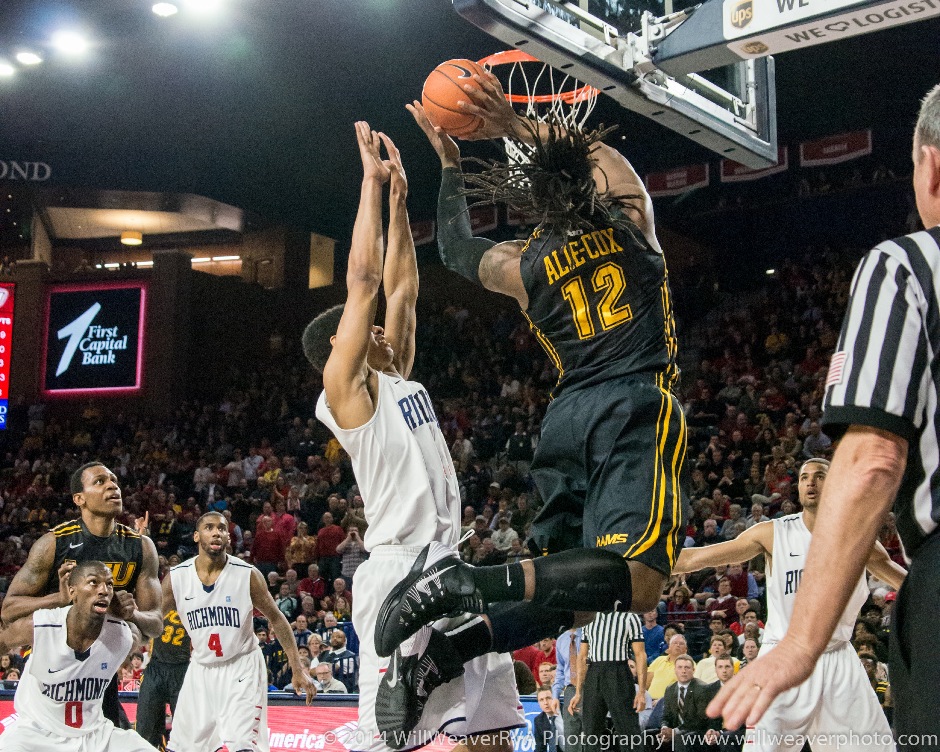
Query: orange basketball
{"type": "Point", "coordinates": [443, 89]}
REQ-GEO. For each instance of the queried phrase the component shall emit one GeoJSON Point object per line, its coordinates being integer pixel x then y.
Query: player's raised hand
{"type": "Point", "coordinates": [399, 181]}
{"type": "Point", "coordinates": [303, 685]}
{"type": "Point", "coordinates": [123, 605]}
{"type": "Point", "coordinates": [447, 150]}
{"type": "Point", "coordinates": [489, 102]}
{"type": "Point", "coordinates": [143, 523]}
{"type": "Point", "coordinates": [63, 574]}
{"type": "Point", "coordinates": [746, 697]}
{"type": "Point", "coordinates": [372, 166]}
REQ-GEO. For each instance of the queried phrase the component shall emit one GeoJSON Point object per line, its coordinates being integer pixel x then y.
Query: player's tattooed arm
{"type": "Point", "coordinates": [147, 596]}
{"type": "Point", "coordinates": [16, 634]}
{"type": "Point", "coordinates": [500, 271]}
{"type": "Point", "coordinates": [26, 593]}
{"type": "Point", "coordinates": [169, 599]}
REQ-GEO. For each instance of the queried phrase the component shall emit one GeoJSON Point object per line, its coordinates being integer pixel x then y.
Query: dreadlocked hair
{"type": "Point", "coordinates": [556, 186]}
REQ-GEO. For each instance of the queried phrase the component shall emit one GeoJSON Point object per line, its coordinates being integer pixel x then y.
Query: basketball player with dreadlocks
{"type": "Point", "coordinates": [592, 283]}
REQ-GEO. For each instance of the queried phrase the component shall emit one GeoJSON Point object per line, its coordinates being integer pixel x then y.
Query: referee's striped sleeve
{"type": "Point", "coordinates": [635, 629]}
{"type": "Point", "coordinates": [878, 375]}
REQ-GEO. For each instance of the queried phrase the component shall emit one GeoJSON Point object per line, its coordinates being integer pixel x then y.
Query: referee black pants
{"type": "Point", "coordinates": [915, 653]}
{"type": "Point", "coordinates": [608, 687]}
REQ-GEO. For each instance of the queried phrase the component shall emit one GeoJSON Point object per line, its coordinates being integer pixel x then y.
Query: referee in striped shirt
{"type": "Point", "coordinates": [882, 401]}
{"type": "Point", "coordinates": [604, 681]}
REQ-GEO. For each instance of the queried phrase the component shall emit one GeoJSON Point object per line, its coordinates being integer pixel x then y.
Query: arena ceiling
{"type": "Point", "coordinates": [253, 104]}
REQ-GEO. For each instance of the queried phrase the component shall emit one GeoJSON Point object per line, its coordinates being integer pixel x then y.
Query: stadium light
{"type": "Point", "coordinates": [132, 237]}
{"type": "Point", "coordinates": [226, 258]}
{"type": "Point", "coordinates": [165, 10]}
{"type": "Point", "coordinates": [28, 58]}
{"type": "Point", "coordinates": [6, 70]}
{"type": "Point", "coordinates": [770, 272]}
{"type": "Point", "coordinates": [70, 42]}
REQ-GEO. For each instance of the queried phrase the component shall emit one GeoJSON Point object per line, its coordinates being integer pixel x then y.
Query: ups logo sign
{"type": "Point", "coordinates": [742, 13]}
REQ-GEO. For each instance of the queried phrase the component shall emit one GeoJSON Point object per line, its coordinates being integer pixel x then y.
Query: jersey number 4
{"type": "Point", "coordinates": [610, 280]}
{"type": "Point", "coordinates": [215, 644]}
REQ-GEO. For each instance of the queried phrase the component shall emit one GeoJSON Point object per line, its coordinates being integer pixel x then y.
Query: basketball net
{"type": "Point", "coordinates": [540, 92]}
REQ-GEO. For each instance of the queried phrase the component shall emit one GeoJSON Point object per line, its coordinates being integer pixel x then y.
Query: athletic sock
{"type": "Point", "coordinates": [517, 625]}
{"type": "Point", "coordinates": [583, 579]}
{"type": "Point", "coordinates": [505, 582]}
{"type": "Point", "coordinates": [471, 640]}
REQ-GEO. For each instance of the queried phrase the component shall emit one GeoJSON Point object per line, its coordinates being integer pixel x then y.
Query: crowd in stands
{"type": "Point", "coordinates": [754, 373]}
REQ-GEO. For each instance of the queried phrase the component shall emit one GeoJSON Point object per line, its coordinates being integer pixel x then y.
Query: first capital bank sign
{"type": "Point", "coordinates": [94, 341]}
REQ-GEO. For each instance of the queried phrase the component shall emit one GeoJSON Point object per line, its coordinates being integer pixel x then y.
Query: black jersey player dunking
{"type": "Point", "coordinates": [592, 283]}
{"type": "Point", "coordinates": [95, 535]}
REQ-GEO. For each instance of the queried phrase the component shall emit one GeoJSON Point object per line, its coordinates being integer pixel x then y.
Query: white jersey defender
{"type": "Point", "coordinates": [60, 694]}
{"type": "Point", "coordinates": [226, 682]}
{"type": "Point", "coordinates": [406, 476]}
{"type": "Point", "coordinates": [403, 468]}
{"type": "Point", "coordinates": [837, 703]}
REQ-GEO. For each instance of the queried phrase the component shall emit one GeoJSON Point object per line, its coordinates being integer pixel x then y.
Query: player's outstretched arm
{"type": "Point", "coordinates": [346, 372]}
{"type": "Point", "coordinates": [16, 634]}
{"type": "Point", "coordinates": [261, 599]}
{"type": "Point", "coordinates": [143, 607]}
{"type": "Point", "coordinates": [400, 278]}
{"type": "Point", "coordinates": [27, 590]}
{"type": "Point", "coordinates": [880, 565]}
{"type": "Point", "coordinates": [459, 250]}
{"type": "Point", "coordinates": [754, 541]}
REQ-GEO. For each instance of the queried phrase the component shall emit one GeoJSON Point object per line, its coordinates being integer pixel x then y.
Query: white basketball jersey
{"type": "Point", "coordinates": [403, 467]}
{"type": "Point", "coordinates": [218, 618]}
{"type": "Point", "coordinates": [791, 544]}
{"type": "Point", "coordinates": [62, 690]}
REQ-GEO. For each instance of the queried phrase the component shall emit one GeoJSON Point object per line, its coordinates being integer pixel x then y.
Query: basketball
{"type": "Point", "coordinates": [443, 89]}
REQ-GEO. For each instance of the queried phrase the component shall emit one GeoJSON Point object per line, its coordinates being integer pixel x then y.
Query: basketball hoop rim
{"type": "Point", "coordinates": [510, 57]}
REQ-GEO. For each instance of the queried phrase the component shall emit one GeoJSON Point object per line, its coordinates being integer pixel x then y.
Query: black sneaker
{"type": "Point", "coordinates": [438, 585]}
{"type": "Point", "coordinates": [408, 683]}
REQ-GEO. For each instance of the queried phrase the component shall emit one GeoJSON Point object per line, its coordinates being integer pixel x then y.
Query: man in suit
{"type": "Point", "coordinates": [730, 740]}
{"type": "Point", "coordinates": [685, 726]}
{"type": "Point", "coordinates": [547, 727]}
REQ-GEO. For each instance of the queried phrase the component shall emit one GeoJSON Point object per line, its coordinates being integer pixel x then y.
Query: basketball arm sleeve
{"type": "Point", "coordinates": [460, 251]}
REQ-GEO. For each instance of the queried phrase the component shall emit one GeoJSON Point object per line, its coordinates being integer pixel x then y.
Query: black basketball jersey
{"type": "Point", "coordinates": [600, 306]}
{"type": "Point", "coordinates": [122, 551]}
{"type": "Point", "coordinates": [173, 644]}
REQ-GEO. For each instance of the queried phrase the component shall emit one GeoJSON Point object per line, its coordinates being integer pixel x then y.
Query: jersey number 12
{"type": "Point", "coordinates": [608, 277]}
